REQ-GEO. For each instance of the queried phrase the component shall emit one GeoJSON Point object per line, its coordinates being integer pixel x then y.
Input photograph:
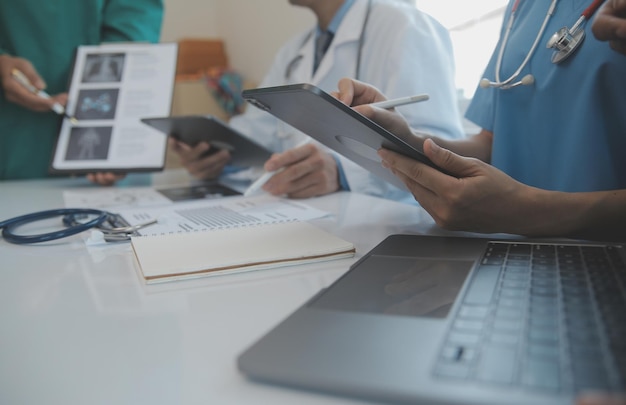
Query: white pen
{"type": "Point", "coordinates": [256, 186]}
{"type": "Point", "coordinates": [23, 80]}
{"type": "Point", "coordinates": [400, 101]}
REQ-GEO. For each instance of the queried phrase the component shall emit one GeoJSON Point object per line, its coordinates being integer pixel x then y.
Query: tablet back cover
{"type": "Point", "coordinates": [335, 125]}
{"type": "Point", "coordinates": [192, 129]}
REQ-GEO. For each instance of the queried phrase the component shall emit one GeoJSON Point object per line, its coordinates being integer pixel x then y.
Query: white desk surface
{"type": "Point", "coordinates": [79, 326]}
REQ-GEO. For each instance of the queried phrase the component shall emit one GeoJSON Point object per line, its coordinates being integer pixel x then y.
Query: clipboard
{"type": "Point", "coordinates": [334, 124]}
{"type": "Point", "coordinates": [111, 87]}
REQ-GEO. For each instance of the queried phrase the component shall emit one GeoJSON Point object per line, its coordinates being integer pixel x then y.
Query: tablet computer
{"type": "Point", "coordinates": [192, 129]}
{"type": "Point", "coordinates": [206, 190]}
{"type": "Point", "coordinates": [334, 124]}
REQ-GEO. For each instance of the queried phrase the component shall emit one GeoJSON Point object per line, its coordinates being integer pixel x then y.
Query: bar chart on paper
{"type": "Point", "coordinates": [219, 214]}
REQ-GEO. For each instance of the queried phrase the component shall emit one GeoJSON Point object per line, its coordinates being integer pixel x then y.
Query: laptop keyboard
{"type": "Point", "coordinates": [541, 316]}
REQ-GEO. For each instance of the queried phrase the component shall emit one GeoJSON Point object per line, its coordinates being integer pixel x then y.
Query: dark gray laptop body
{"type": "Point", "coordinates": [433, 320]}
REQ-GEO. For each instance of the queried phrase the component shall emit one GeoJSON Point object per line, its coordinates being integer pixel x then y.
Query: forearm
{"type": "Point", "coordinates": [596, 215]}
{"type": "Point", "coordinates": [477, 146]}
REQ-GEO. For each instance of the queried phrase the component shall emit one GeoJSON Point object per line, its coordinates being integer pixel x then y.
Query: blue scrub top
{"type": "Point", "coordinates": [567, 131]}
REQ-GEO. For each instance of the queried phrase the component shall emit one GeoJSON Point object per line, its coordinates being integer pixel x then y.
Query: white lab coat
{"type": "Point", "coordinates": [404, 52]}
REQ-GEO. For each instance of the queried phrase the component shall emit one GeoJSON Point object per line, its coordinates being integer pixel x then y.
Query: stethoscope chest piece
{"type": "Point", "coordinates": [565, 43]}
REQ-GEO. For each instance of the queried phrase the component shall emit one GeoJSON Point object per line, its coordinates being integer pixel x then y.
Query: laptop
{"type": "Point", "coordinates": [457, 320]}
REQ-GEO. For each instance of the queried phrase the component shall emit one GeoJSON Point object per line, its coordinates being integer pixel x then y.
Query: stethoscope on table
{"type": "Point", "coordinates": [74, 220]}
{"type": "Point", "coordinates": [565, 42]}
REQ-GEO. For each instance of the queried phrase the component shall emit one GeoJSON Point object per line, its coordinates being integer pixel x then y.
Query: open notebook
{"type": "Point", "coordinates": [198, 254]}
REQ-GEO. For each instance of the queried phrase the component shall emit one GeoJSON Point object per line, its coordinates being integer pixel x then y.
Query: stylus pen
{"type": "Point", "coordinates": [257, 185]}
{"type": "Point", "coordinates": [387, 104]}
{"type": "Point", "coordinates": [23, 80]}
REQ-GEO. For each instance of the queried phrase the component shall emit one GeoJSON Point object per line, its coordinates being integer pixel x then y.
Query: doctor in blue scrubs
{"type": "Point", "coordinates": [550, 158]}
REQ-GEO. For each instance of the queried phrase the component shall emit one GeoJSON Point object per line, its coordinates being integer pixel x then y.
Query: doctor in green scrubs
{"type": "Point", "coordinates": [39, 37]}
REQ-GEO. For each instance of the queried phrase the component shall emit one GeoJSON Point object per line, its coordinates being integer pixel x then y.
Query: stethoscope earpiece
{"type": "Point", "coordinates": [484, 83]}
{"type": "Point", "coordinates": [526, 81]}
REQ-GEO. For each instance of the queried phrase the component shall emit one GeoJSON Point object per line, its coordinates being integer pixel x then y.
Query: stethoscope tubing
{"type": "Point", "coordinates": [505, 84]}
{"type": "Point", "coordinates": [10, 225]}
{"type": "Point", "coordinates": [357, 70]}
{"type": "Point", "coordinates": [559, 55]}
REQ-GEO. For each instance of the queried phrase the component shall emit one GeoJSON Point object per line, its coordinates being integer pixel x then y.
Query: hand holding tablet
{"type": "Point", "coordinates": [192, 129]}
{"type": "Point", "coordinates": [338, 126]}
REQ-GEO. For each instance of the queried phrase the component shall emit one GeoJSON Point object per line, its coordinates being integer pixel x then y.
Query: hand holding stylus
{"type": "Point", "coordinates": [22, 85]}
{"type": "Point", "coordinates": [301, 172]}
{"type": "Point", "coordinates": [257, 186]}
{"type": "Point", "coordinates": [21, 78]}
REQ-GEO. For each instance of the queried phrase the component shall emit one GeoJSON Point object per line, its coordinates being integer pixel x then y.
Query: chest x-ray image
{"type": "Point", "coordinates": [103, 68]}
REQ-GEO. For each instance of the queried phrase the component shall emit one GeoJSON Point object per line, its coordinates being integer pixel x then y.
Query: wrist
{"type": "Point", "coordinates": [533, 213]}
{"type": "Point", "coordinates": [342, 180]}
{"type": "Point", "coordinates": [555, 210]}
{"type": "Point", "coordinates": [576, 215]}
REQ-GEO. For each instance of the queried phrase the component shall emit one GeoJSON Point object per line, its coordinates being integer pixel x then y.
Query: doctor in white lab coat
{"type": "Point", "coordinates": [387, 43]}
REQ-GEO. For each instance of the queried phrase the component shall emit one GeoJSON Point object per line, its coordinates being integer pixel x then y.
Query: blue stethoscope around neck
{"type": "Point", "coordinates": [565, 42]}
{"type": "Point", "coordinates": [296, 59]}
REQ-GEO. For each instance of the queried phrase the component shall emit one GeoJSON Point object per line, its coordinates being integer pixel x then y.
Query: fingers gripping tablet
{"type": "Point", "coordinates": [192, 129]}
{"type": "Point", "coordinates": [339, 127]}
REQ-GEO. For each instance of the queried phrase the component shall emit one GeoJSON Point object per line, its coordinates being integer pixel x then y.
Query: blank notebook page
{"type": "Point", "coordinates": [199, 254]}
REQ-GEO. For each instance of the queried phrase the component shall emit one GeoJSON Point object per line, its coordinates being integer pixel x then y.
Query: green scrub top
{"type": "Point", "coordinates": [47, 34]}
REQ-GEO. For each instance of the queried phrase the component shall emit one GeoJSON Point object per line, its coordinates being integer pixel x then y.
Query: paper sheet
{"type": "Point", "coordinates": [110, 198]}
{"type": "Point", "coordinates": [221, 213]}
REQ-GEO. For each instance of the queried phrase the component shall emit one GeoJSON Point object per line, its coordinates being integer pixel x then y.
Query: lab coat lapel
{"type": "Point", "coordinates": [303, 69]}
{"type": "Point", "coordinates": [349, 31]}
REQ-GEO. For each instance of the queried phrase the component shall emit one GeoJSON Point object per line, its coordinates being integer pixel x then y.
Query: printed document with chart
{"type": "Point", "coordinates": [203, 238]}
{"type": "Point", "coordinates": [112, 87]}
